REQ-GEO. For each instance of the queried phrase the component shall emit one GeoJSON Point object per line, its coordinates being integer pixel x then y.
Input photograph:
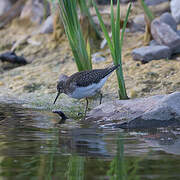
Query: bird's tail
{"type": "Point", "coordinates": [112, 68]}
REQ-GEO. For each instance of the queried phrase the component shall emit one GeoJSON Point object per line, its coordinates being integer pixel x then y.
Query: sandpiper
{"type": "Point", "coordinates": [84, 84]}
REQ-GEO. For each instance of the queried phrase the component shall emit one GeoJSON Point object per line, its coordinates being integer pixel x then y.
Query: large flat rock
{"type": "Point", "coordinates": [154, 111]}
{"type": "Point", "coordinates": [148, 53]}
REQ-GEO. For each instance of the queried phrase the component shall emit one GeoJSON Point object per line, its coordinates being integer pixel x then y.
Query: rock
{"type": "Point", "coordinates": [154, 2]}
{"type": "Point", "coordinates": [154, 111]}
{"type": "Point", "coordinates": [97, 57]}
{"type": "Point", "coordinates": [47, 26]}
{"type": "Point", "coordinates": [174, 6]}
{"type": "Point", "coordinates": [104, 42]}
{"type": "Point", "coordinates": [153, 43]}
{"type": "Point", "coordinates": [165, 35]}
{"type": "Point", "coordinates": [161, 8]}
{"type": "Point", "coordinates": [148, 53]}
{"type": "Point", "coordinates": [13, 1]}
{"type": "Point", "coordinates": [11, 57]}
{"type": "Point", "coordinates": [5, 5]}
{"type": "Point", "coordinates": [178, 31]}
{"type": "Point", "coordinates": [138, 23]}
{"type": "Point", "coordinates": [139, 19]}
{"type": "Point", "coordinates": [35, 10]}
{"type": "Point", "coordinates": [168, 19]}
{"type": "Point", "coordinates": [12, 13]}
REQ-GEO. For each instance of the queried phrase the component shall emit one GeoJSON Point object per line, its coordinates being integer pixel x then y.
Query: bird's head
{"type": "Point", "coordinates": [61, 85]}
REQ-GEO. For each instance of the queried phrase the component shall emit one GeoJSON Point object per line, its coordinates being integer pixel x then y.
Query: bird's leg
{"type": "Point", "coordinates": [86, 107]}
{"type": "Point", "coordinates": [101, 96]}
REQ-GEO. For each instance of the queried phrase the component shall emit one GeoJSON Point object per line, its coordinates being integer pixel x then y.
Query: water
{"type": "Point", "coordinates": [33, 147]}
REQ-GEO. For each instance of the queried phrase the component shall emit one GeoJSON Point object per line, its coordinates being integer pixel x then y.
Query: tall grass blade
{"type": "Point", "coordinates": [124, 25]}
{"type": "Point", "coordinates": [117, 35]}
{"type": "Point", "coordinates": [104, 30]}
{"type": "Point", "coordinates": [85, 10]}
{"type": "Point", "coordinates": [112, 22]}
{"type": "Point", "coordinates": [147, 11]}
{"type": "Point", "coordinates": [116, 43]}
{"type": "Point", "coordinates": [120, 71]}
{"type": "Point", "coordinates": [68, 12]}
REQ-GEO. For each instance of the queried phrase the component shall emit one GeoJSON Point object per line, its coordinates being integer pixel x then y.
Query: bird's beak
{"type": "Point", "coordinates": [56, 97]}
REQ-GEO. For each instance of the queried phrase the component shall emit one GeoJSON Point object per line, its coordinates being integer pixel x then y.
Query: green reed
{"type": "Point", "coordinates": [115, 44]}
{"type": "Point", "coordinates": [146, 9]}
{"type": "Point", "coordinates": [85, 11]}
{"type": "Point", "coordinates": [69, 16]}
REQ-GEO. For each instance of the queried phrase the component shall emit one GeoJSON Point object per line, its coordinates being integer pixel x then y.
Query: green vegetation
{"type": "Point", "coordinates": [68, 12]}
{"type": "Point", "coordinates": [115, 44]}
{"type": "Point", "coordinates": [149, 16]}
{"type": "Point", "coordinates": [147, 11]}
{"type": "Point", "coordinates": [85, 12]}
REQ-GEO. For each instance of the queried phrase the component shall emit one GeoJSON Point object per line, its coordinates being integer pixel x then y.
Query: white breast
{"type": "Point", "coordinates": [82, 92]}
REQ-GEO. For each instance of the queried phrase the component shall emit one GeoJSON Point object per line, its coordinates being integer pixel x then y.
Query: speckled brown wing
{"type": "Point", "coordinates": [85, 78]}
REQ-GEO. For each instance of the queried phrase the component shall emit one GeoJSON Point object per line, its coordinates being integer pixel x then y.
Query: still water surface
{"type": "Point", "coordinates": [33, 147]}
